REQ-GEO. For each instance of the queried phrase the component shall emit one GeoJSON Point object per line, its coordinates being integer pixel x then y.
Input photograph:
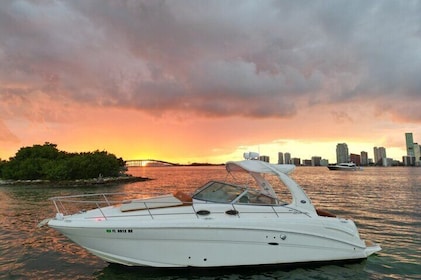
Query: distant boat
{"type": "Point", "coordinates": [347, 166]}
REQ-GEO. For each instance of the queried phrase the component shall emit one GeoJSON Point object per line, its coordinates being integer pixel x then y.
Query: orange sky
{"type": "Point", "coordinates": [205, 82]}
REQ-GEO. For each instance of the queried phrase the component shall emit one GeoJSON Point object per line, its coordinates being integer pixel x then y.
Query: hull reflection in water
{"type": "Point", "coordinates": [221, 224]}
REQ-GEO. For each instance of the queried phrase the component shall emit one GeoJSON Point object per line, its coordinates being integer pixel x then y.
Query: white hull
{"type": "Point", "coordinates": [197, 241]}
{"type": "Point", "coordinates": [222, 224]}
{"type": "Point", "coordinates": [344, 167]}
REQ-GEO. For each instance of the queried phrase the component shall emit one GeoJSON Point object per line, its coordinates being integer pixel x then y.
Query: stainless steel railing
{"type": "Point", "coordinates": [73, 204]}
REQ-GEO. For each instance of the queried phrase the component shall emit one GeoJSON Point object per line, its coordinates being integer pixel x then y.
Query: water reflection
{"type": "Point", "coordinates": [384, 202]}
{"type": "Point", "coordinates": [347, 271]}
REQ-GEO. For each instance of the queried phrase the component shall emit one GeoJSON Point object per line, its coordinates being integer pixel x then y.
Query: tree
{"type": "Point", "coordinates": [48, 163]}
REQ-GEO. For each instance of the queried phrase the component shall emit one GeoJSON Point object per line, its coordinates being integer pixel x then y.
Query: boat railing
{"type": "Point", "coordinates": [73, 204]}
{"type": "Point", "coordinates": [66, 204]}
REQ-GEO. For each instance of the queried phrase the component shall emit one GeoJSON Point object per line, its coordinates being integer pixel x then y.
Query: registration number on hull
{"type": "Point", "coordinates": [120, 230]}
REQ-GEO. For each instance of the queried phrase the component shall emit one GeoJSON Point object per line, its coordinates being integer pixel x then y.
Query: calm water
{"type": "Point", "coordinates": [384, 202]}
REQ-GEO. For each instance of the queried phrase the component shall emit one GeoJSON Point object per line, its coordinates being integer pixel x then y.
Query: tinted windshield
{"type": "Point", "coordinates": [219, 192]}
{"type": "Point", "coordinates": [227, 193]}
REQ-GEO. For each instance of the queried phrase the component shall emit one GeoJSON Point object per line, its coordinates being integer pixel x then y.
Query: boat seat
{"type": "Point", "coordinates": [185, 198]}
{"type": "Point", "coordinates": [324, 213]}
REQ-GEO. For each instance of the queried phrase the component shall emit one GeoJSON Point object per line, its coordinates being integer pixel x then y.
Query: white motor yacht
{"type": "Point", "coordinates": [221, 224]}
{"type": "Point", "coordinates": [346, 166]}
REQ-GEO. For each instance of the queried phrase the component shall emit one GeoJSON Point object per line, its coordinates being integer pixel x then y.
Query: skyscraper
{"type": "Point", "coordinates": [264, 158]}
{"type": "Point", "coordinates": [315, 161]}
{"type": "Point", "coordinates": [409, 144]}
{"type": "Point", "coordinates": [417, 154]}
{"type": "Point", "coordinates": [342, 154]}
{"type": "Point", "coordinates": [364, 158]}
{"type": "Point", "coordinates": [379, 155]}
{"type": "Point", "coordinates": [280, 158]}
{"type": "Point", "coordinates": [355, 159]}
{"type": "Point", "coordinates": [296, 161]}
{"type": "Point", "coordinates": [287, 158]}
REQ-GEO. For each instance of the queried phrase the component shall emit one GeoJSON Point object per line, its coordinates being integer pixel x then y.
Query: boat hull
{"type": "Point", "coordinates": [336, 168]}
{"type": "Point", "coordinates": [209, 243]}
{"type": "Point", "coordinates": [221, 224]}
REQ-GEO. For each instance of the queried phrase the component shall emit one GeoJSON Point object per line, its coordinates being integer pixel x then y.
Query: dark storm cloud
{"type": "Point", "coordinates": [213, 58]}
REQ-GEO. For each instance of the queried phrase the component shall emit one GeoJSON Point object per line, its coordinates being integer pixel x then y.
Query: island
{"type": "Point", "coordinates": [45, 163]}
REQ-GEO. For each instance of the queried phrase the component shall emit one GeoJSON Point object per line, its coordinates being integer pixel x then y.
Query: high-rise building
{"type": "Point", "coordinates": [280, 158]}
{"type": "Point", "coordinates": [409, 139]}
{"type": "Point", "coordinates": [355, 159]}
{"type": "Point", "coordinates": [287, 158]}
{"type": "Point", "coordinates": [306, 162]}
{"type": "Point", "coordinates": [364, 158]}
{"type": "Point", "coordinates": [408, 161]}
{"type": "Point", "coordinates": [296, 161]}
{"type": "Point", "coordinates": [379, 154]}
{"type": "Point", "coordinates": [324, 162]}
{"type": "Point", "coordinates": [376, 155]}
{"type": "Point", "coordinates": [264, 158]}
{"type": "Point", "coordinates": [417, 154]}
{"type": "Point", "coordinates": [342, 154]}
{"type": "Point", "coordinates": [315, 161]}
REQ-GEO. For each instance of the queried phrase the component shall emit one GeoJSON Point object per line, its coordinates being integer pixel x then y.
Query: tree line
{"type": "Point", "coordinates": [46, 162]}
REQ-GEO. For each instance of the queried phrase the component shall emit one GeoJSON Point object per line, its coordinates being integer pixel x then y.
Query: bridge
{"type": "Point", "coordinates": [148, 162]}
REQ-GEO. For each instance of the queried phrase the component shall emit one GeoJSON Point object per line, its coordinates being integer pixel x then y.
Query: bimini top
{"type": "Point", "coordinates": [257, 169]}
{"type": "Point", "coordinates": [258, 166]}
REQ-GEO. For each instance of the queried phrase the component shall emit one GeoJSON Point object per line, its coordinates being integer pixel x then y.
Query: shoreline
{"type": "Point", "coordinates": [76, 183]}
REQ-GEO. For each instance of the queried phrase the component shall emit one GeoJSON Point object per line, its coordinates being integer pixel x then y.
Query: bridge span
{"type": "Point", "coordinates": [148, 162]}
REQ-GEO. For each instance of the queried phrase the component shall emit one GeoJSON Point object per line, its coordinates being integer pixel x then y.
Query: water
{"type": "Point", "coordinates": [384, 203]}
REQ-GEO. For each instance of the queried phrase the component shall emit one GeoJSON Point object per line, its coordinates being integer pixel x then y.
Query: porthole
{"type": "Point", "coordinates": [203, 212]}
{"type": "Point", "coordinates": [231, 212]}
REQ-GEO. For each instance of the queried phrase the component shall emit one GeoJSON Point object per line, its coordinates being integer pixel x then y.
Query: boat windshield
{"type": "Point", "coordinates": [222, 192]}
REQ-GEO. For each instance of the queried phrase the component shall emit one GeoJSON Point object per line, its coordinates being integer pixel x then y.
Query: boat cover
{"type": "Point", "coordinates": [259, 167]}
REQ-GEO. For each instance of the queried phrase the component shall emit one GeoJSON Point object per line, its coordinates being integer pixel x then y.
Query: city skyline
{"type": "Point", "coordinates": [205, 82]}
{"type": "Point", "coordinates": [379, 153]}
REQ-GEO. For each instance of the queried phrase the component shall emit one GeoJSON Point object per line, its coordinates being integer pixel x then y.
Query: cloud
{"type": "Point", "coordinates": [248, 59]}
{"type": "Point", "coordinates": [6, 135]}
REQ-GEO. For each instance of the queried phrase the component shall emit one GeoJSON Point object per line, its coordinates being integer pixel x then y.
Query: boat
{"type": "Point", "coordinates": [222, 224]}
{"type": "Point", "coordinates": [346, 166]}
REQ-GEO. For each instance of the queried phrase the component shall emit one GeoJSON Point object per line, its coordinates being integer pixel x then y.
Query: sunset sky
{"type": "Point", "coordinates": [205, 81]}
